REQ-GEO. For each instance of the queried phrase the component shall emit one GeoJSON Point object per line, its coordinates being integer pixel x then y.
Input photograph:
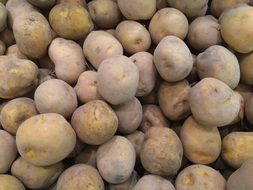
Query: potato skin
{"type": "Point", "coordinates": [137, 139]}
{"type": "Point", "coordinates": [14, 51]}
{"type": "Point", "coordinates": [10, 182]}
{"type": "Point", "coordinates": [3, 17]}
{"type": "Point", "coordinates": [246, 69]}
{"type": "Point", "coordinates": [45, 148]}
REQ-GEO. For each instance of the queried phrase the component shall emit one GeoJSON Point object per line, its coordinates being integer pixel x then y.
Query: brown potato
{"type": "Point", "coordinates": [2, 47]}
{"type": "Point", "coordinates": [9, 182]}
{"type": "Point", "coordinates": [3, 17]}
{"type": "Point", "coordinates": [42, 3]}
{"type": "Point", "coordinates": [54, 139]}
{"type": "Point", "coordinates": [137, 139]}
{"type": "Point", "coordinates": [7, 37]}
{"type": "Point", "coordinates": [168, 21]}
{"type": "Point", "coordinates": [94, 122]}
{"type": "Point", "coordinates": [173, 59]}
{"type": "Point", "coordinates": [246, 69]}
{"type": "Point", "coordinates": [14, 51]}
{"type": "Point", "coordinates": [87, 156]}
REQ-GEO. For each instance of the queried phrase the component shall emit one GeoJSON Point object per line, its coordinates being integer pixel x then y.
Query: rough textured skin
{"type": "Point", "coordinates": [14, 51]}
{"type": "Point", "coordinates": [80, 176]}
{"type": "Point", "coordinates": [137, 139]}
{"type": "Point", "coordinates": [53, 141]}
{"type": "Point", "coordinates": [246, 69]}
{"type": "Point", "coordinates": [218, 62]}
{"type": "Point", "coordinates": [42, 3]}
{"type": "Point", "coordinates": [116, 160]}
{"type": "Point", "coordinates": [202, 145]}
{"type": "Point", "coordinates": [95, 122]}
{"type": "Point", "coordinates": [87, 156]}
{"type": "Point", "coordinates": [173, 59]}
{"type": "Point", "coordinates": [3, 17]}
{"type": "Point", "coordinates": [9, 182]}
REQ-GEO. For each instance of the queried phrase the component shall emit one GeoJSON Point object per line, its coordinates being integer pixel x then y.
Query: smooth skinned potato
{"type": "Point", "coordinates": [87, 156]}
{"type": "Point", "coordinates": [42, 3]}
{"type": "Point", "coordinates": [137, 139]}
{"type": "Point", "coordinates": [3, 17]}
{"type": "Point", "coordinates": [10, 182]}
{"type": "Point", "coordinates": [14, 51]}
{"type": "Point", "coordinates": [246, 69]}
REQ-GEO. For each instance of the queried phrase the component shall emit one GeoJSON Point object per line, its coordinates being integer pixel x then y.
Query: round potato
{"type": "Point", "coordinates": [246, 69]}
{"type": "Point", "coordinates": [42, 3]}
{"type": "Point", "coordinates": [2, 47]}
{"type": "Point", "coordinates": [94, 122]}
{"type": "Point", "coordinates": [173, 59]}
{"type": "Point", "coordinates": [137, 139]}
{"type": "Point", "coordinates": [54, 139]}
{"type": "Point", "coordinates": [87, 156]}
{"type": "Point", "coordinates": [116, 160]}
{"type": "Point", "coordinates": [168, 21]}
{"type": "Point", "coordinates": [3, 17]}
{"type": "Point", "coordinates": [10, 182]}
{"type": "Point", "coordinates": [14, 51]}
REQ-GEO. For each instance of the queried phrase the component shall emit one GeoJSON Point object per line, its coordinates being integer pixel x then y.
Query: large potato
{"type": "Point", "coordinates": [137, 139]}
{"type": "Point", "coordinates": [117, 79]}
{"type": "Point", "coordinates": [14, 51]}
{"type": "Point", "coordinates": [116, 160]}
{"type": "Point", "coordinates": [17, 76]}
{"type": "Point", "coordinates": [95, 122]}
{"type": "Point", "coordinates": [87, 156]}
{"type": "Point", "coordinates": [173, 59]}
{"type": "Point", "coordinates": [168, 21]}
{"type": "Point", "coordinates": [53, 141]}
{"type": "Point", "coordinates": [68, 56]}
{"type": "Point", "coordinates": [9, 182]}
{"type": "Point", "coordinates": [99, 45]}
{"type": "Point", "coordinates": [218, 62]}
{"type": "Point", "coordinates": [42, 3]}
{"type": "Point", "coordinates": [246, 69]}
{"type": "Point", "coordinates": [3, 17]}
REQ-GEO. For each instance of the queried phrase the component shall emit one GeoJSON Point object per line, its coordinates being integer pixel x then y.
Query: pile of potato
{"type": "Point", "coordinates": [126, 94]}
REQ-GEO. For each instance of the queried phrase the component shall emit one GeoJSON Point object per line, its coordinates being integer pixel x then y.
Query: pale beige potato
{"type": "Point", "coordinates": [8, 151]}
{"type": "Point", "coordinates": [218, 62]}
{"type": "Point", "coordinates": [87, 156]}
{"type": "Point", "coordinates": [3, 17]}
{"type": "Point", "coordinates": [95, 122]}
{"type": "Point", "coordinates": [80, 2]}
{"type": "Point", "coordinates": [116, 160]}
{"type": "Point", "coordinates": [246, 69]}
{"type": "Point", "coordinates": [54, 140]}
{"type": "Point", "coordinates": [200, 177]}
{"type": "Point", "coordinates": [137, 140]}
{"type": "Point", "coordinates": [160, 4]}
{"type": "Point", "coordinates": [2, 47]}
{"type": "Point", "coordinates": [85, 177]}
{"type": "Point", "coordinates": [16, 112]}
{"type": "Point", "coordinates": [36, 177]}
{"type": "Point", "coordinates": [173, 59]}
{"type": "Point", "coordinates": [168, 21]}
{"type": "Point", "coordinates": [42, 3]}
{"type": "Point", "coordinates": [14, 51]}
{"type": "Point", "coordinates": [10, 182]}
{"type": "Point", "coordinates": [137, 9]}
{"type": "Point", "coordinates": [129, 184]}
{"type": "Point", "coordinates": [99, 45]}
{"type": "Point", "coordinates": [7, 37]}
{"type": "Point", "coordinates": [68, 56]}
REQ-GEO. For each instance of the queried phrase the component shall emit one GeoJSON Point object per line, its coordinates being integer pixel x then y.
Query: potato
{"type": "Point", "coordinates": [47, 63]}
{"type": "Point", "coordinates": [218, 62]}
{"type": "Point", "coordinates": [191, 8]}
{"type": "Point", "coordinates": [8, 151]}
{"type": "Point", "coordinates": [42, 3]}
{"type": "Point", "coordinates": [16, 112]}
{"type": "Point", "coordinates": [232, 21]}
{"type": "Point", "coordinates": [87, 156]}
{"type": "Point", "coordinates": [18, 76]}
{"type": "Point", "coordinates": [53, 141]}
{"type": "Point", "coordinates": [168, 21]}
{"type": "Point", "coordinates": [86, 177]}
{"type": "Point", "coordinates": [104, 13]}
{"type": "Point", "coordinates": [2, 47]}
{"type": "Point", "coordinates": [147, 72]}
{"type": "Point", "coordinates": [116, 160]}
{"type": "Point", "coordinates": [80, 2]}
{"type": "Point", "coordinates": [137, 9]}
{"type": "Point", "coordinates": [200, 177]}
{"type": "Point", "coordinates": [117, 79]}
{"type": "Point", "coordinates": [162, 151]}
{"type": "Point", "coordinates": [160, 4]}
{"type": "Point", "coordinates": [99, 45]}
{"type": "Point", "coordinates": [14, 51]}
{"type": "Point", "coordinates": [10, 182]}
{"type": "Point", "coordinates": [55, 96]}
{"type": "Point", "coordinates": [202, 145]}
{"type": "Point", "coordinates": [94, 122]}
{"type": "Point", "coordinates": [67, 55]}
{"type": "Point", "coordinates": [153, 117]}
{"type": "Point", "coordinates": [245, 90]}
{"type": "Point", "coordinates": [3, 17]}
{"type": "Point", "coordinates": [237, 148]}
{"type": "Point", "coordinates": [133, 36]}
{"type": "Point", "coordinates": [35, 177]}
{"type": "Point", "coordinates": [137, 139]}
{"type": "Point", "coordinates": [246, 69]}
{"type": "Point", "coordinates": [7, 37]}
{"type": "Point", "coordinates": [213, 103]}
{"type": "Point", "coordinates": [173, 59]}
{"type": "Point", "coordinates": [70, 21]}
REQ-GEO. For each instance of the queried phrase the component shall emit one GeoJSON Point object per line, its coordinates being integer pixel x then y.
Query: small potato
{"type": "Point", "coordinates": [173, 59]}
{"type": "Point", "coordinates": [85, 177]}
{"type": "Point", "coordinates": [202, 145]}
{"type": "Point", "coordinates": [162, 151]}
{"type": "Point", "coordinates": [55, 96]}
{"type": "Point", "coordinates": [67, 55]}
{"type": "Point", "coordinates": [137, 139]}
{"type": "Point", "coordinates": [2, 47]}
{"type": "Point", "coordinates": [249, 109]}
{"type": "Point", "coordinates": [87, 156]}
{"type": "Point", "coordinates": [116, 160]}
{"type": "Point", "coordinates": [42, 3]}
{"type": "Point", "coordinates": [133, 36]}
{"type": "Point", "coordinates": [35, 177]}
{"type": "Point", "coordinates": [213, 103]}
{"type": "Point", "coordinates": [246, 69]}
{"type": "Point", "coordinates": [18, 76]}
{"type": "Point", "coordinates": [218, 62]}
{"type": "Point", "coordinates": [168, 21]}
{"type": "Point", "coordinates": [174, 99]}
{"type": "Point", "coordinates": [137, 9]}
{"type": "Point", "coordinates": [94, 122]}
{"type": "Point", "coordinates": [117, 80]}
{"type": "Point", "coordinates": [16, 112]}
{"type": "Point", "coordinates": [14, 51]}
{"type": "Point", "coordinates": [7, 37]}
{"type": "Point", "coordinates": [3, 17]}
{"type": "Point", "coordinates": [80, 2]}
{"type": "Point", "coordinates": [147, 72]}
{"type": "Point", "coordinates": [237, 148]}
{"type": "Point", "coordinates": [70, 21]}
{"type": "Point", "coordinates": [153, 117]}
{"type": "Point", "coordinates": [53, 142]}
{"type": "Point", "coordinates": [8, 152]}
{"type": "Point", "coordinates": [160, 4]}
{"type": "Point", "coordinates": [99, 45]}
{"type": "Point", "coordinates": [200, 177]}
{"type": "Point", "coordinates": [153, 182]}
{"type": "Point", "coordinates": [105, 13]}
{"type": "Point", "coordinates": [9, 182]}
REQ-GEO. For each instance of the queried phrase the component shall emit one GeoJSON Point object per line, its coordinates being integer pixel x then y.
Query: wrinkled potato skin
{"type": "Point", "coordinates": [9, 182]}
{"type": "Point", "coordinates": [137, 140]}
{"type": "Point", "coordinates": [14, 51]}
{"type": "Point", "coordinates": [87, 156]}
{"type": "Point", "coordinates": [42, 3]}
{"type": "Point", "coordinates": [3, 17]}
{"type": "Point", "coordinates": [247, 69]}
{"type": "Point", "coordinates": [2, 47]}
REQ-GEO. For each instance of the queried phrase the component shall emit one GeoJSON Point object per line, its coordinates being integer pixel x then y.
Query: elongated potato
{"type": "Point", "coordinates": [10, 182]}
